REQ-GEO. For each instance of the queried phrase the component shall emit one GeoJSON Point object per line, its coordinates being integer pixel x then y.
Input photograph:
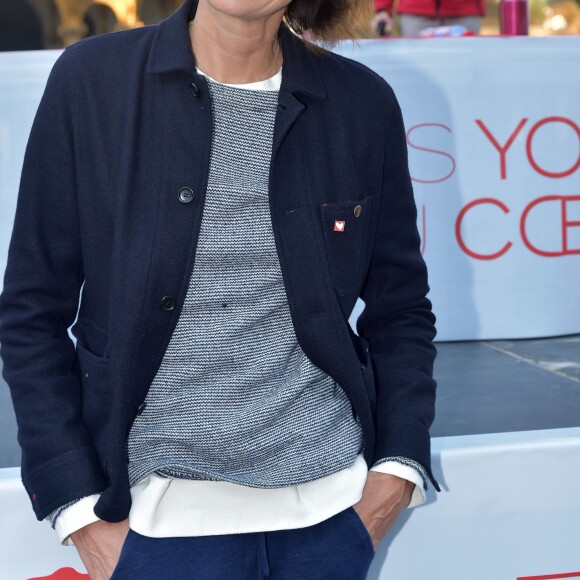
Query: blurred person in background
{"type": "Point", "coordinates": [202, 202]}
{"type": "Point", "coordinates": [415, 15]}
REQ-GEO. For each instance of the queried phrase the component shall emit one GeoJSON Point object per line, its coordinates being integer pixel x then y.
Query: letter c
{"type": "Point", "coordinates": [459, 237]}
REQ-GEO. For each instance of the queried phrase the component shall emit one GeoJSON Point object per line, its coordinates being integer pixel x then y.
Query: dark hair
{"type": "Point", "coordinates": [328, 20]}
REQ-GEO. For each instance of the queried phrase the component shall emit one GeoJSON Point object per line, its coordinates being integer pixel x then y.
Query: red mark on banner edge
{"type": "Point", "coordinates": [63, 574]}
{"type": "Point", "coordinates": [551, 576]}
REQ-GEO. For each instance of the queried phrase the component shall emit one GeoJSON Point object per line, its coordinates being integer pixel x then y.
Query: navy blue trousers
{"type": "Point", "coordinates": [338, 548]}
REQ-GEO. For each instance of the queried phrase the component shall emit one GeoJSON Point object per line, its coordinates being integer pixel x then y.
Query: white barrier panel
{"type": "Point", "coordinates": [509, 511]}
{"type": "Point", "coordinates": [28, 548]}
{"type": "Point", "coordinates": [494, 149]}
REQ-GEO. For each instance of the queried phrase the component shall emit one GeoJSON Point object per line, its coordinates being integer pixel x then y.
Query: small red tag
{"type": "Point", "coordinates": [33, 496]}
{"type": "Point", "coordinates": [338, 226]}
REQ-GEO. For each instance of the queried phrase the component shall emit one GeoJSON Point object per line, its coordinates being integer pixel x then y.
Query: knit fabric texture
{"type": "Point", "coordinates": [235, 398]}
{"type": "Point", "coordinates": [409, 463]}
{"type": "Point", "coordinates": [53, 516]}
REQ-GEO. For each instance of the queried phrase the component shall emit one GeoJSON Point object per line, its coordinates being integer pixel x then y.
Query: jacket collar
{"type": "Point", "coordinates": [171, 51]}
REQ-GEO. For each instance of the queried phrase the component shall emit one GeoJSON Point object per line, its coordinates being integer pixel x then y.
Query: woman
{"type": "Point", "coordinates": [223, 193]}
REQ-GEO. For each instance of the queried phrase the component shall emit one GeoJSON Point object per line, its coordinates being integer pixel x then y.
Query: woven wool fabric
{"type": "Point", "coordinates": [235, 398]}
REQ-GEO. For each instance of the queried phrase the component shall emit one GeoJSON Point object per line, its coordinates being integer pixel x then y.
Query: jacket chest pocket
{"type": "Point", "coordinates": [346, 228]}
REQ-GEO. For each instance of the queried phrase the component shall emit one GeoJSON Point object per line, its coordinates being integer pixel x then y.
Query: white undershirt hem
{"type": "Point", "coordinates": [164, 507]}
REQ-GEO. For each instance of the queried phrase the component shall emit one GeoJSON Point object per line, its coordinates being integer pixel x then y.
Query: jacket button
{"type": "Point", "coordinates": [168, 303]}
{"type": "Point", "coordinates": [194, 90]}
{"type": "Point", "coordinates": [357, 210]}
{"type": "Point", "coordinates": [141, 408]}
{"type": "Point", "coordinates": [185, 195]}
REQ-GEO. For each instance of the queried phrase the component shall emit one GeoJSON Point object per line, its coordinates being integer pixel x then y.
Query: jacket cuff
{"type": "Point", "coordinates": [397, 437]}
{"type": "Point", "coordinates": [63, 480]}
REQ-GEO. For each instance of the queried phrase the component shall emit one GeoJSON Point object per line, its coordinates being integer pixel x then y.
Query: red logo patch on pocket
{"type": "Point", "coordinates": [338, 226]}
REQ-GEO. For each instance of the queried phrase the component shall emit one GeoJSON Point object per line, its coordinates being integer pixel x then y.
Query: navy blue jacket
{"type": "Point", "coordinates": [109, 212]}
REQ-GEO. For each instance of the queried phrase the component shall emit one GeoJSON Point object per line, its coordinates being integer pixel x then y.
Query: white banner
{"type": "Point", "coordinates": [509, 510]}
{"type": "Point", "coordinates": [494, 146]}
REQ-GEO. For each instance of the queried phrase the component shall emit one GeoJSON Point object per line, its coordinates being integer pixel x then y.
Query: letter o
{"type": "Point", "coordinates": [531, 159]}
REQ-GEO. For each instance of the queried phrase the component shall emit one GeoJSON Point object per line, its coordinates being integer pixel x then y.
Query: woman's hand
{"type": "Point", "coordinates": [384, 497]}
{"type": "Point", "coordinates": [99, 546]}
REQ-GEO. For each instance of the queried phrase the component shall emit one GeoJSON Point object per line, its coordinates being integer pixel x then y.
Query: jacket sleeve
{"type": "Point", "coordinates": [39, 303]}
{"type": "Point", "coordinates": [384, 5]}
{"type": "Point", "coordinates": [397, 321]}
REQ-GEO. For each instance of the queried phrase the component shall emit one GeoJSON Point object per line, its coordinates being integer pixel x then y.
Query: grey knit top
{"type": "Point", "coordinates": [235, 398]}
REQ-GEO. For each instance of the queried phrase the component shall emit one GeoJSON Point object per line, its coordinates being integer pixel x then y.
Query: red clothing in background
{"type": "Point", "coordinates": [434, 7]}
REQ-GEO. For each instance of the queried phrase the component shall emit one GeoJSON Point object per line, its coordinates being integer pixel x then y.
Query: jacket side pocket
{"type": "Point", "coordinates": [95, 372]}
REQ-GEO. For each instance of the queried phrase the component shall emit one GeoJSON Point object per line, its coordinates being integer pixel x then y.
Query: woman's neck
{"type": "Point", "coordinates": [233, 48]}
